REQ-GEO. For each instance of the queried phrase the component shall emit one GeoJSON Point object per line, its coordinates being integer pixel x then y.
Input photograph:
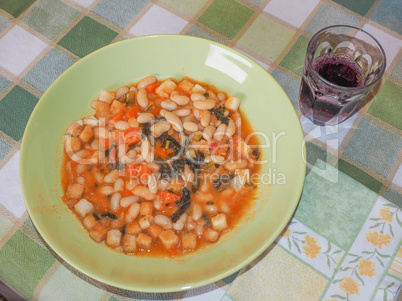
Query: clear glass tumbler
{"type": "Point", "coordinates": [342, 64]}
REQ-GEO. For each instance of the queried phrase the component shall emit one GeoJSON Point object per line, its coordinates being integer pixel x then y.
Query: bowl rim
{"type": "Point", "coordinates": [163, 288]}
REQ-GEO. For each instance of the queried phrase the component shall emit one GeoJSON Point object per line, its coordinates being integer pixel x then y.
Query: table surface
{"type": "Point", "coordinates": [40, 39]}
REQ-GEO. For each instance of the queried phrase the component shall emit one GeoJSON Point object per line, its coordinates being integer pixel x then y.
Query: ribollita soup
{"type": "Point", "coordinates": [163, 167]}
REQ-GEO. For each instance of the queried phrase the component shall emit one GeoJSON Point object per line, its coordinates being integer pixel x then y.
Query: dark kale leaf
{"type": "Point", "coordinates": [184, 203]}
{"type": "Point", "coordinates": [223, 179]}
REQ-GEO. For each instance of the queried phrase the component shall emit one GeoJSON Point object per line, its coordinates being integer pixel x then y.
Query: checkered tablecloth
{"type": "Point", "coordinates": [344, 241]}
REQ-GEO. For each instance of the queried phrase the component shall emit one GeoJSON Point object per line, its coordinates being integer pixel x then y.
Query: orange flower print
{"type": "Point", "coordinates": [386, 215]}
{"type": "Point", "coordinates": [378, 240]}
{"type": "Point", "coordinates": [286, 232]}
{"type": "Point", "coordinates": [350, 286]}
{"type": "Point", "coordinates": [366, 268]}
{"type": "Point", "coordinates": [311, 249]}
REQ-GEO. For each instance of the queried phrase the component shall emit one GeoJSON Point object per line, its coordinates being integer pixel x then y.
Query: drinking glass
{"type": "Point", "coordinates": [342, 65]}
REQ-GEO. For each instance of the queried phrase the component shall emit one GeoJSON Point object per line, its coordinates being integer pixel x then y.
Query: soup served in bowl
{"type": "Point", "coordinates": [162, 168]}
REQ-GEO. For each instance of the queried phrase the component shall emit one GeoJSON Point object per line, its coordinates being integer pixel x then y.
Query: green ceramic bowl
{"type": "Point", "coordinates": [68, 99]}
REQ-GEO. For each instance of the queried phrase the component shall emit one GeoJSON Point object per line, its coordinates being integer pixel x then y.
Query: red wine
{"type": "Point", "coordinates": [325, 102]}
{"type": "Point", "coordinates": [339, 70]}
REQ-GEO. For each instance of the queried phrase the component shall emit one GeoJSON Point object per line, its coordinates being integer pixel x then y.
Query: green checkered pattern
{"type": "Point", "coordinates": [39, 39]}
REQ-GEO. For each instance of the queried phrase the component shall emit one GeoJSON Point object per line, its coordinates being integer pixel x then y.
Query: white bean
{"type": "Point", "coordinates": [231, 128]}
{"type": "Point", "coordinates": [220, 132]}
{"type": "Point", "coordinates": [150, 79]}
{"type": "Point", "coordinates": [197, 114]}
{"type": "Point", "coordinates": [122, 149]}
{"type": "Point", "coordinates": [131, 184]}
{"type": "Point", "coordinates": [209, 132]}
{"type": "Point", "coordinates": [205, 118]}
{"type": "Point", "coordinates": [182, 112]}
{"type": "Point", "coordinates": [132, 212]}
{"type": "Point", "coordinates": [197, 212]}
{"type": "Point", "coordinates": [157, 205]}
{"type": "Point", "coordinates": [115, 201]}
{"type": "Point", "coordinates": [121, 91]}
{"type": "Point", "coordinates": [155, 167]}
{"type": "Point", "coordinates": [145, 149]}
{"type": "Point", "coordinates": [179, 225]}
{"type": "Point", "coordinates": [190, 224]}
{"type": "Point", "coordinates": [218, 159]}
{"type": "Point", "coordinates": [181, 100]}
{"type": "Point", "coordinates": [152, 184]}
{"type": "Point", "coordinates": [169, 105]}
{"type": "Point", "coordinates": [144, 193]}
{"type": "Point", "coordinates": [197, 96]}
{"type": "Point", "coordinates": [174, 121]}
{"type": "Point", "coordinates": [190, 126]}
{"type": "Point", "coordinates": [211, 209]}
{"type": "Point", "coordinates": [142, 98]}
{"type": "Point", "coordinates": [159, 128]}
{"type": "Point", "coordinates": [118, 185]}
{"type": "Point", "coordinates": [111, 177]}
{"type": "Point", "coordinates": [81, 180]}
{"type": "Point", "coordinates": [128, 200]}
{"type": "Point", "coordinates": [106, 190]}
{"type": "Point", "coordinates": [221, 96]}
{"type": "Point", "coordinates": [188, 174]}
{"type": "Point", "coordinates": [233, 165]}
{"type": "Point", "coordinates": [206, 104]}
{"type": "Point", "coordinates": [145, 117]}
{"type": "Point", "coordinates": [162, 112]}
{"type": "Point", "coordinates": [163, 221]}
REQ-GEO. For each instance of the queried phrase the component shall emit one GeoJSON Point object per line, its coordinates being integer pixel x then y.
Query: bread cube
{"type": "Point", "coordinates": [75, 129]}
{"type": "Point", "coordinates": [211, 235]}
{"type": "Point", "coordinates": [144, 222]}
{"type": "Point", "coordinates": [98, 232]}
{"type": "Point", "coordinates": [144, 241]}
{"type": "Point", "coordinates": [75, 144]}
{"type": "Point", "coordinates": [74, 191]}
{"type": "Point", "coordinates": [113, 238]}
{"type": "Point", "coordinates": [147, 208]}
{"type": "Point", "coordinates": [198, 89]}
{"type": "Point", "coordinates": [186, 85]}
{"type": "Point", "coordinates": [154, 230]}
{"type": "Point", "coordinates": [106, 96]}
{"type": "Point", "coordinates": [189, 241]}
{"type": "Point", "coordinates": [133, 228]}
{"type": "Point", "coordinates": [86, 134]}
{"type": "Point", "coordinates": [83, 208]}
{"type": "Point", "coordinates": [219, 222]}
{"type": "Point", "coordinates": [89, 221]}
{"type": "Point", "coordinates": [169, 239]}
{"type": "Point", "coordinates": [129, 243]}
{"type": "Point", "coordinates": [166, 88]}
{"type": "Point", "coordinates": [116, 106]}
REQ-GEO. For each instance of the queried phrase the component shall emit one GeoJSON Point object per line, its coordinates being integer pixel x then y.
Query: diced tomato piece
{"type": "Point", "coordinates": [131, 136]}
{"type": "Point", "coordinates": [163, 152]}
{"type": "Point", "coordinates": [213, 145]}
{"type": "Point", "coordinates": [138, 171]}
{"type": "Point", "coordinates": [151, 88]}
{"type": "Point", "coordinates": [133, 112]}
{"type": "Point", "coordinates": [113, 155]}
{"type": "Point", "coordinates": [154, 111]}
{"type": "Point", "coordinates": [126, 193]}
{"type": "Point", "coordinates": [167, 197]}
